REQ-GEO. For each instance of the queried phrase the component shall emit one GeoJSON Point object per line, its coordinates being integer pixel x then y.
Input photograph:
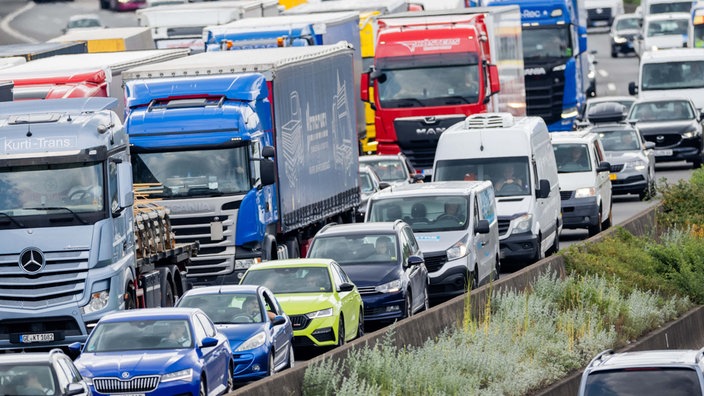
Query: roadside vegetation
{"type": "Point", "coordinates": [618, 290]}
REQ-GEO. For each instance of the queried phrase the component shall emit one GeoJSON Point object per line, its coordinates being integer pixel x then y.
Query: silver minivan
{"type": "Point", "coordinates": [456, 226]}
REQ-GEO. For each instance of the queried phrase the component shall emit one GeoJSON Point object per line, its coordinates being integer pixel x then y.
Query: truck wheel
{"type": "Point", "coordinates": [104, 4]}
{"type": "Point", "coordinates": [294, 250]}
{"type": "Point", "coordinates": [130, 297]}
{"type": "Point", "coordinates": [167, 295]}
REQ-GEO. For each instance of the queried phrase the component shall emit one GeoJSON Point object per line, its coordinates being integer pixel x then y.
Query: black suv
{"type": "Point", "coordinates": [385, 263]}
{"type": "Point", "coordinates": [40, 373]}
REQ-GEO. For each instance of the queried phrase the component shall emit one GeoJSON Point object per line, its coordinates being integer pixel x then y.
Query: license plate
{"type": "Point", "coordinates": [427, 172]}
{"type": "Point", "coordinates": [42, 337]}
{"type": "Point", "coordinates": [662, 153]}
{"type": "Point", "coordinates": [613, 176]}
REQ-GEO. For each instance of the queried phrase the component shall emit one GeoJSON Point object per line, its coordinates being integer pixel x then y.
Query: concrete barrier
{"type": "Point", "coordinates": [418, 329]}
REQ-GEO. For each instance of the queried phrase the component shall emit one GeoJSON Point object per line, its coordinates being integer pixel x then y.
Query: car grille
{"type": "Point", "coordinates": [299, 322]}
{"type": "Point", "coordinates": [366, 290]}
{"type": "Point", "coordinates": [136, 384]}
{"type": "Point", "coordinates": [664, 140]}
{"type": "Point", "coordinates": [564, 195]}
{"type": "Point", "coordinates": [616, 168]}
{"type": "Point", "coordinates": [503, 225]}
{"type": "Point", "coordinates": [435, 260]}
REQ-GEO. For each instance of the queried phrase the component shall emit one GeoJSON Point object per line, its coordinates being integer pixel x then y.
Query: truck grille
{"type": "Point", "coordinates": [299, 322]}
{"type": "Point", "coordinates": [64, 325]}
{"type": "Point", "coordinates": [544, 94]}
{"type": "Point", "coordinates": [418, 136]}
{"type": "Point", "coordinates": [136, 384]}
{"type": "Point", "coordinates": [212, 258]}
{"type": "Point", "coordinates": [434, 260]}
{"type": "Point", "coordinates": [564, 195]}
{"type": "Point", "coordinates": [62, 280]}
{"type": "Point", "coordinates": [503, 225]}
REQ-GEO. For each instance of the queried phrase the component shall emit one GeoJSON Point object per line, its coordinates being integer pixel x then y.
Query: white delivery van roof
{"type": "Point", "coordinates": [673, 55]}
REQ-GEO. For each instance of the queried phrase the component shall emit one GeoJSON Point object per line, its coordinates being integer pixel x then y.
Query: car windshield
{"type": "Point", "coordinates": [572, 158]}
{"type": "Point", "coordinates": [424, 213]}
{"type": "Point", "coordinates": [510, 175]}
{"type": "Point", "coordinates": [628, 24]}
{"type": "Point", "coordinates": [357, 249]}
{"type": "Point", "coordinates": [290, 280]}
{"type": "Point", "coordinates": [671, 6]}
{"type": "Point", "coordinates": [27, 379]}
{"type": "Point", "coordinates": [365, 183]}
{"type": "Point", "coordinates": [140, 335]}
{"type": "Point", "coordinates": [661, 111]}
{"type": "Point", "coordinates": [226, 308]}
{"type": "Point", "coordinates": [540, 43]}
{"type": "Point", "coordinates": [672, 75]}
{"type": "Point", "coordinates": [673, 381]}
{"type": "Point", "coordinates": [194, 173]}
{"type": "Point", "coordinates": [669, 27]}
{"type": "Point", "coordinates": [619, 140]}
{"type": "Point", "coordinates": [388, 170]}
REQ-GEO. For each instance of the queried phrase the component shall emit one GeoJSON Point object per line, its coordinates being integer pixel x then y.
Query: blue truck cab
{"type": "Point", "coordinates": [555, 58]}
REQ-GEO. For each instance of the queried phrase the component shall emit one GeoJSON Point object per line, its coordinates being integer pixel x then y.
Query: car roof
{"type": "Point", "coordinates": [84, 16]}
{"type": "Point", "coordinates": [605, 99]}
{"type": "Point", "coordinates": [29, 357]}
{"type": "Point", "coordinates": [223, 289]}
{"type": "Point", "coordinates": [669, 357]}
{"type": "Point", "coordinates": [301, 262]}
{"type": "Point", "coordinates": [581, 136]}
{"type": "Point", "coordinates": [386, 227]}
{"type": "Point", "coordinates": [370, 158]}
{"type": "Point", "coordinates": [673, 55]}
{"type": "Point", "coordinates": [458, 187]}
{"type": "Point", "coordinates": [610, 127]}
{"type": "Point", "coordinates": [149, 314]}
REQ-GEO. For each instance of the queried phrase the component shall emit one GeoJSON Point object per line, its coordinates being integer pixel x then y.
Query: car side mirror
{"type": "Point", "coordinates": [418, 177]}
{"type": "Point", "coordinates": [208, 342]}
{"type": "Point", "coordinates": [383, 185]}
{"type": "Point", "coordinates": [701, 115]}
{"type": "Point", "coordinates": [346, 287]}
{"type": "Point", "coordinates": [278, 320]}
{"type": "Point", "coordinates": [414, 261]}
{"type": "Point", "coordinates": [74, 389]}
{"type": "Point", "coordinates": [482, 227]}
{"type": "Point", "coordinates": [649, 145]}
{"type": "Point", "coordinates": [543, 189]}
{"type": "Point", "coordinates": [603, 167]}
{"type": "Point", "coordinates": [632, 88]}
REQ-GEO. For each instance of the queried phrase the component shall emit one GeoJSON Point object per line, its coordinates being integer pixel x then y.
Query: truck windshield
{"type": "Point", "coordinates": [76, 187]}
{"type": "Point", "coordinates": [546, 42]}
{"type": "Point", "coordinates": [424, 213]}
{"type": "Point", "coordinates": [437, 85]}
{"type": "Point", "coordinates": [510, 175]}
{"type": "Point", "coordinates": [672, 75]}
{"type": "Point", "coordinates": [194, 173]}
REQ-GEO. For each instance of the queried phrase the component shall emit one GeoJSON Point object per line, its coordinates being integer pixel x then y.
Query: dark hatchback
{"type": "Point", "coordinates": [623, 34]}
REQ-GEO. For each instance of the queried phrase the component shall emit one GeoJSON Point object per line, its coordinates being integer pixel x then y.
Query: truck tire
{"type": "Point", "coordinates": [104, 4]}
{"type": "Point", "coordinates": [167, 294]}
{"type": "Point", "coordinates": [294, 249]}
{"type": "Point", "coordinates": [130, 297]}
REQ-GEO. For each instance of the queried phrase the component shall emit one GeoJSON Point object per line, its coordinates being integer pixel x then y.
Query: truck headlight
{"type": "Point", "coordinates": [245, 263]}
{"type": "Point", "coordinates": [522, 223]}
{"type": "Point", "coordinates": [585, 192]}
{"type": "Point", "coordinates": [320, 314]}
{"type": "Point", "coordinates": [458, 250]}
{"type": "Point", "coordinates": [391, 287]}
{"type": "Point", "coordinates": [182, 375]}
{"type": "Point", "coordinates": [620, 40]}
{"type": "Point", "coordinates": [98, 301]}
{"type": "Point", "coordinates": [255, 341]}
{"type": "Point", "coordinates": [569, 112]}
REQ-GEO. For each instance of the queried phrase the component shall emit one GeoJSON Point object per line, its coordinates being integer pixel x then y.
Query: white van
{"type": "Point", "coordinates": [456, 226]}
{"type": "Point", "coordinates": [602, 12]}
{"type": "Point", "coordinates": [671, 73]}
{"type": "Point", "coordinates": [663, 31]}
{"type": "Point", "coordinates": [515, 153]}
{"type": "Point", "coordinates": [585, 186]}
{"type": "Point", "coordinates": [649, 7]}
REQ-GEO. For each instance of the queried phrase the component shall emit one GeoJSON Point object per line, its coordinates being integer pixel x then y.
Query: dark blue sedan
{"type": "Point", "coordinates": [159, 351]}
{"type": "Point", "coordinates": [260, 333]}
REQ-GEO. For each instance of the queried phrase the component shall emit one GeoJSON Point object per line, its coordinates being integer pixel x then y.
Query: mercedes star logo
{"type": "Point", "coordinates": [32, 260]}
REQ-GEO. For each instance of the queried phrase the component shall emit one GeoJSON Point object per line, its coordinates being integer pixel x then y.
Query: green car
{"type": "Point", "coordinates": [319, 298]}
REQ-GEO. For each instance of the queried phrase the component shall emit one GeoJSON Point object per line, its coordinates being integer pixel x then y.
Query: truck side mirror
{"type": "Point", "coordinates": [544, 189]}
{"type": "Point", "coordinates": [632, 88]}
{"type": "Point", "coordinates": [364, 87]}
{"type": "Point", "coordinates": [495, 85]}
{"type": "Point", "coordinates": [268, 152]}
{"type": "Point", "coordinates": [267, 170]}
{"type": "Point", "coordinates": [482, 227]}
{"type": "Point", "coordinates": [125, 194]}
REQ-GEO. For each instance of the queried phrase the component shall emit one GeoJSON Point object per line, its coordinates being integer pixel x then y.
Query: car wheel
{"type": "Point", "coordinates": [475, 278]}
{"type": "Point", "coordinates": [408, 305]}
{"type": "Point", "coordinates": [230, 379]}
{"type": "Point", "coordinates": [291, 357]}
{"type": "Point", "coordinates": [203, 387]}
{"type": "Point", "coordinates": [614, 52]}
{"type": "Point", "coordinates": [497, 268]}
{"type": "Point", "coordinates": [539, 255]}
{"type": "Point", "coordinates": [360, 324]}
{"type": "Point", "coordinates": [104, 4]}
{"type": "Point", "coordinates": [645, 194]}
{"type": "Point", "coordinates": [341, 332]}
{"type": "Point", "coordinates": [426, 298]}
{"type": "Point", "coordinates": [697, 163]}
{"type": "Point", "coordinates": [556, 243]}
{"type": "Point", "coordinates": [270, 370]}
{"type": "Point", "coordinates": [595, 229]}
{"type": "Point", "coordinates": [609, 220]}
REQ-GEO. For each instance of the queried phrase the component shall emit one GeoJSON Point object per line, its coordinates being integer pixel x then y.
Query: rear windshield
{"type": "Point", "coordinates": [644, 382]}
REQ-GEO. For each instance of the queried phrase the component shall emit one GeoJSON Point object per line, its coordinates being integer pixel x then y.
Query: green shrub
{"type": "Point", "coordinates": [682, 202]}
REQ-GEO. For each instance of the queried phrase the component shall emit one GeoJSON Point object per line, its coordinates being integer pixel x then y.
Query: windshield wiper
{"type": "Point", "coordinates": [60, 208]}
{"type": "Point", "coordinates": [12, 219]}
{"type": "Point", "coordinates": [455, 97]}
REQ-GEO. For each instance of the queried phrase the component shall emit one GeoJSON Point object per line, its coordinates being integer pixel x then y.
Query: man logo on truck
{"type": "Point", "coordinates": [32, 260]}
{"type": "Point", "coordinates": [431, 45]}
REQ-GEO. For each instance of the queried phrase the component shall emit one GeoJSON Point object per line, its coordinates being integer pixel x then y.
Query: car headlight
{"type": "Point", "coordinates": [591, 74]}
{"type": "Point", "coordinates": [522, 223]}
{"type": "Point", "coordinates": [620, 40]}
{"type": "Point", "coordinates": [89, 380]}
{"type": "Point", "coordinates": [690, 134]}
{"type": "Point", "coordinates": [182, 375]}
{"type": "Point", "coordinates": [391, 287]}
{"type": "Point", "coordinates": [245, 263]}
{"type": "Point", "coordinates": [98, 301]}
{"type": "Point", "coordinates": [569, 113]}
{"type": "Point", "coordinates": [637, 165]}
{"type": "Point", "coordinates": [255, 341]}
{"type": "Point", "coordinates": [458, 250]}
{"type": "Point", "coordinates": [320, 314]}
{"type": "Point", "coordinates": [585, 192]}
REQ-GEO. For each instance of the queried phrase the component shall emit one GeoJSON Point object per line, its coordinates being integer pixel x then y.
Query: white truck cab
{"type": "Point", "coordinates": [456, 226]}
{"type": "Point", "coordinates": [585, 186]}
{"type": "Point", "coordinates": [514, 153]}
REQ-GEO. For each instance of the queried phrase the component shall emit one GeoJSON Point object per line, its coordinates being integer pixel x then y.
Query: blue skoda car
{"type": "Point", "coordinates": [158, 351]}
{"type": "Point", "coordinates": [260, 333]}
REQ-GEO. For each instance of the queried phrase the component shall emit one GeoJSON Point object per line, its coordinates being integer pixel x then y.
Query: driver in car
{"type": "Point", "coordinates": [508, 178]}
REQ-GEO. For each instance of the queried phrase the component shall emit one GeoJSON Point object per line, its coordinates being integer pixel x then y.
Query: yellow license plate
{"type": "Point", "coordinates": [613, 176]}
